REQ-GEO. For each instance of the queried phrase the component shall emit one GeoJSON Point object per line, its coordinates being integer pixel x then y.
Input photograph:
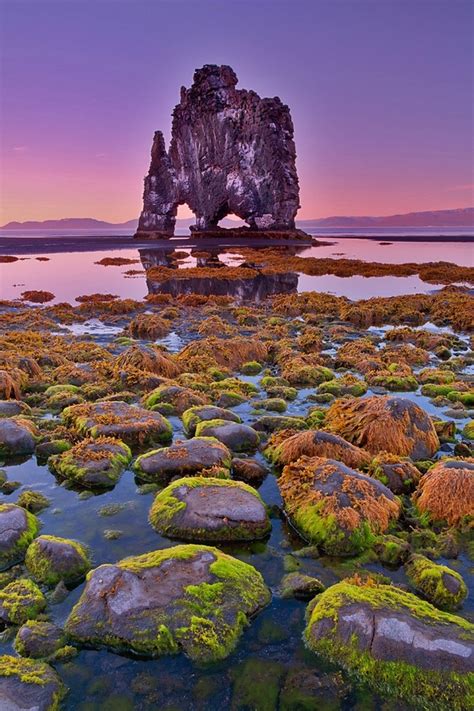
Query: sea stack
{"type": "Point", "coordinates": [231, 152]}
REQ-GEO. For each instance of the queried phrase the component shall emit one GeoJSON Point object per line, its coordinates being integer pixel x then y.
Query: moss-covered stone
{"type": "Point", "coordinates": [173, 399]}
{"type": "Point", "coordinates": [204, 456]}
{"type": "Point", "coordinates": [194, 415]}
{"type": "Point", "coordinates": [18, 527]}
{"type": "Point", "coordinates": [396, 643]}
{"type": "Point", "coordinates": [237, 437]}
{"type": "Point", "coordinates": [188, 598]}
{"type": "Point", "coordinates": [252, 367]}
{"type": "Point", "coordinates": [391, 550]}
{"type": "Point", "coordinates": [209, 509]}
{"type": "Point", "coordinates": [50, 559]}
{"type": "Point", "coordinates": [21, 600]}
{"type": "Point", "coordinates": [38, 639]}
{"type": "Point", "coordinates": [33, 501]}
{"type": "Point", "coordinates": [300, 586]}
{"type": "Point", "coordinates": [93, 462]}
{"type": "Point", "coordinates": [28, 684]}
{"type": "Point", "coordinates": [440, 585]}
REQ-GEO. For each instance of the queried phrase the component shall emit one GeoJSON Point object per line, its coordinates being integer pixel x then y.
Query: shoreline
{"type": "Point", "coordinates": [11, 245]}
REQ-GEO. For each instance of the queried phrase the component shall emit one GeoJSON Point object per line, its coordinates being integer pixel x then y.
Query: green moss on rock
{"type": "Point", "coordinates": [440, 585]}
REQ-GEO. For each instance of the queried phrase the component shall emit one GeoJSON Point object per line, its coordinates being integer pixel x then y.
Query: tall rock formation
{"type": "Point", "coordinates": [230, 152]}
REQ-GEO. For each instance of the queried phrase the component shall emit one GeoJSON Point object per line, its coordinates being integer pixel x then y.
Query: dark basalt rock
{"type": "Point", "coordinates": [230, 152]}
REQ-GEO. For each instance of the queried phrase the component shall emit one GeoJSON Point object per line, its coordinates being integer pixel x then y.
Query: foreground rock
{"type": "Point", "coordinates": [20, 600]}
{"type": "Point", "coordinates": [50, 559]}
{"type": "Point", "coordinates": [133, 425]}
{"type": "Point", "coordinates": [201, 455]}
{"type": "Point", "coordinates": [446, 492]}
{"type": "Point", "coordinates": [93, 463]}
{"type": "Point", "coordinates": [38, 640]}
{"type": "Point", "coordinates": [379, 424]}
{"type": "Point", "coordinates": [29, 685]}
{"type": "Point", "coordinates": [243, 140]}
{"type": "Point", "coordinates": [209, 509]}
{"type": "Point", "coordinates": [317, 443]}
{"type": "Point", "coordinates": [188, 598]}
{"type": "Point", "coordinates": [334, 506]}
{"type": "Point", "coordinates": [17, 436]}
{"type": "Point", "coordinates": [237, 437]}
{"type": "Point", "coordinates": [18, 527]}
{"type": "Point", "coordinates": [396, 643]}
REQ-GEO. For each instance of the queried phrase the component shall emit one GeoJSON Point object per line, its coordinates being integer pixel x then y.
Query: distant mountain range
{"type": "Point", "coordinates": [460, 217]}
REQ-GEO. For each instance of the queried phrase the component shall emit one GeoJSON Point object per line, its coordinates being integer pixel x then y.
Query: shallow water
{"type": "Point", "coordinates": [69, 275]}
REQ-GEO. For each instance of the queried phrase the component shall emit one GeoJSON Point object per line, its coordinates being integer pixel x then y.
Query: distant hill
{"type": "Point", "coordinates": [460, 217]}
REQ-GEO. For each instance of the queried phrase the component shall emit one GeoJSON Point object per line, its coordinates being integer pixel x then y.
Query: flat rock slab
{"type": "Point", "coordinates": [118, 419]}
{"type": "Point", "coordinates": [184, 459]}
{"type": "Point", "coordinates": [190, 598]}
{"type": "Point", "coordinates": [210, 510]}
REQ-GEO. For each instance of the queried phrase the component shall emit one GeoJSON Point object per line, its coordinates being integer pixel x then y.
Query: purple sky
{"type": "Point", "coordinates": [380, 92]}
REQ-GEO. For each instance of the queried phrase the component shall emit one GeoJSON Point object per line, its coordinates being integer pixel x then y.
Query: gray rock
{"type": "Point", "coordinates": [248, 470]}
{"type": "Point", "coordinates": [10, 408]}
{"type": "Point", "coordinates": [300, 586]}
{"type": "Point", "coordinates": [15, 438]}
{"type": "Point", "coordinates": [237, 437]}
{"type": "Point", "coordinates": [37, 639]}
{"type": "Point", "coordinates": [18, 527]}
{"type": "Point", "coordinates": [230, 152]}
{"type": "Point", "coordinates": [50, 559]}
{"type": "Point", "coordinates": [194, 415]}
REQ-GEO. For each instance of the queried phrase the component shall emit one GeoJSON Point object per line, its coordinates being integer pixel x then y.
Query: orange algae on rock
{"type": "Point", "coordinates": [378, 424]}
{"type": "Point", "coordinates": [446, 492]}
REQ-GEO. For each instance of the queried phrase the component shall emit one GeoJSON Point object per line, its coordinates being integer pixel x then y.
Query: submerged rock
{"type": "Point", "coordinates": [133, 425]}
{"type": "Point", "coordinates": [29, 685]}
{"type": "Point", "coordinates": [396, 643]}
{"type": "Point", "coordinates": [93, 462]}
{"type": "Point", "coordinates": [188, 598]}
{"type": "Point", "coordinates": [209, 509]}
{"type": "Point", "coordinates": [200, 455]}
{"type": "Point", "coordinates": [389, 424]}
{"type": "Point", "coordinates": [50, 559]}
{"type": "Point", "coordinates": [334, 506]}
{"type": "Point", "coordinates": [245, 163]}
{"type": "Point", "coordinates": [18, 527]}
{"type": "Point", "coordinates": [300, 586]}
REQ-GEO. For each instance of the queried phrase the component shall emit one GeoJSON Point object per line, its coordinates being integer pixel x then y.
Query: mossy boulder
{"type": "Point", "coordinates": [189, 598]}
{"type": "Point", "coordinates": [173, 399]}
{"type": "Point", "coordinates": [346, 385]}
{"type": "Point", "coordinates": [18, 436]}
{"type": "Point", "coordinates": [272, 404]}
{"type": "Point", "coordinates": [133, 425]}
{"type": "Point", "coordinates": [237, 437]}
{"type": "Point", "coordinates": [209, 509]}
{"type": "Point", "coordinates": [317, 443]}
{"type": "Point", "coordinates": [21, 600]}
{"type": "Point", "coordinates": [38, 639]}
{"type": "Point", "coordinates": [440, 585]}
{"type": "Point", "coordinates": [446, 492]}
{"type": "Point", "coordinates": [335, 506]}
{"type": "Point", "coordinates": [93, 462]}
{"type": "Point", "coordinates": [390, 424]}
{"type": "Point", "coordinates": [468, 430]}
{"type": "Point", "coordinates": [200, 455]}
{"type": "Point", "coordinates": [18, 527]}
{"type": "Point", "coordinates": [399, 474]}
{"type": "Point", "coordinates": [395, 643]}
{"type": "Point", "coordinates": [194, 415]}
{"type": "Point", "coordinates": [50, 559]}
{"type": "Point", "coordinates": [252, 367]}
{"type": "Point", "coordinates": [33, 501]}
{"type": "Point", "coordinates": [29, 684]}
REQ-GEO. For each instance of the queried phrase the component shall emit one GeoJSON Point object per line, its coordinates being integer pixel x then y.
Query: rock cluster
{"type": "Point", "coordinates": [230, 152]}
